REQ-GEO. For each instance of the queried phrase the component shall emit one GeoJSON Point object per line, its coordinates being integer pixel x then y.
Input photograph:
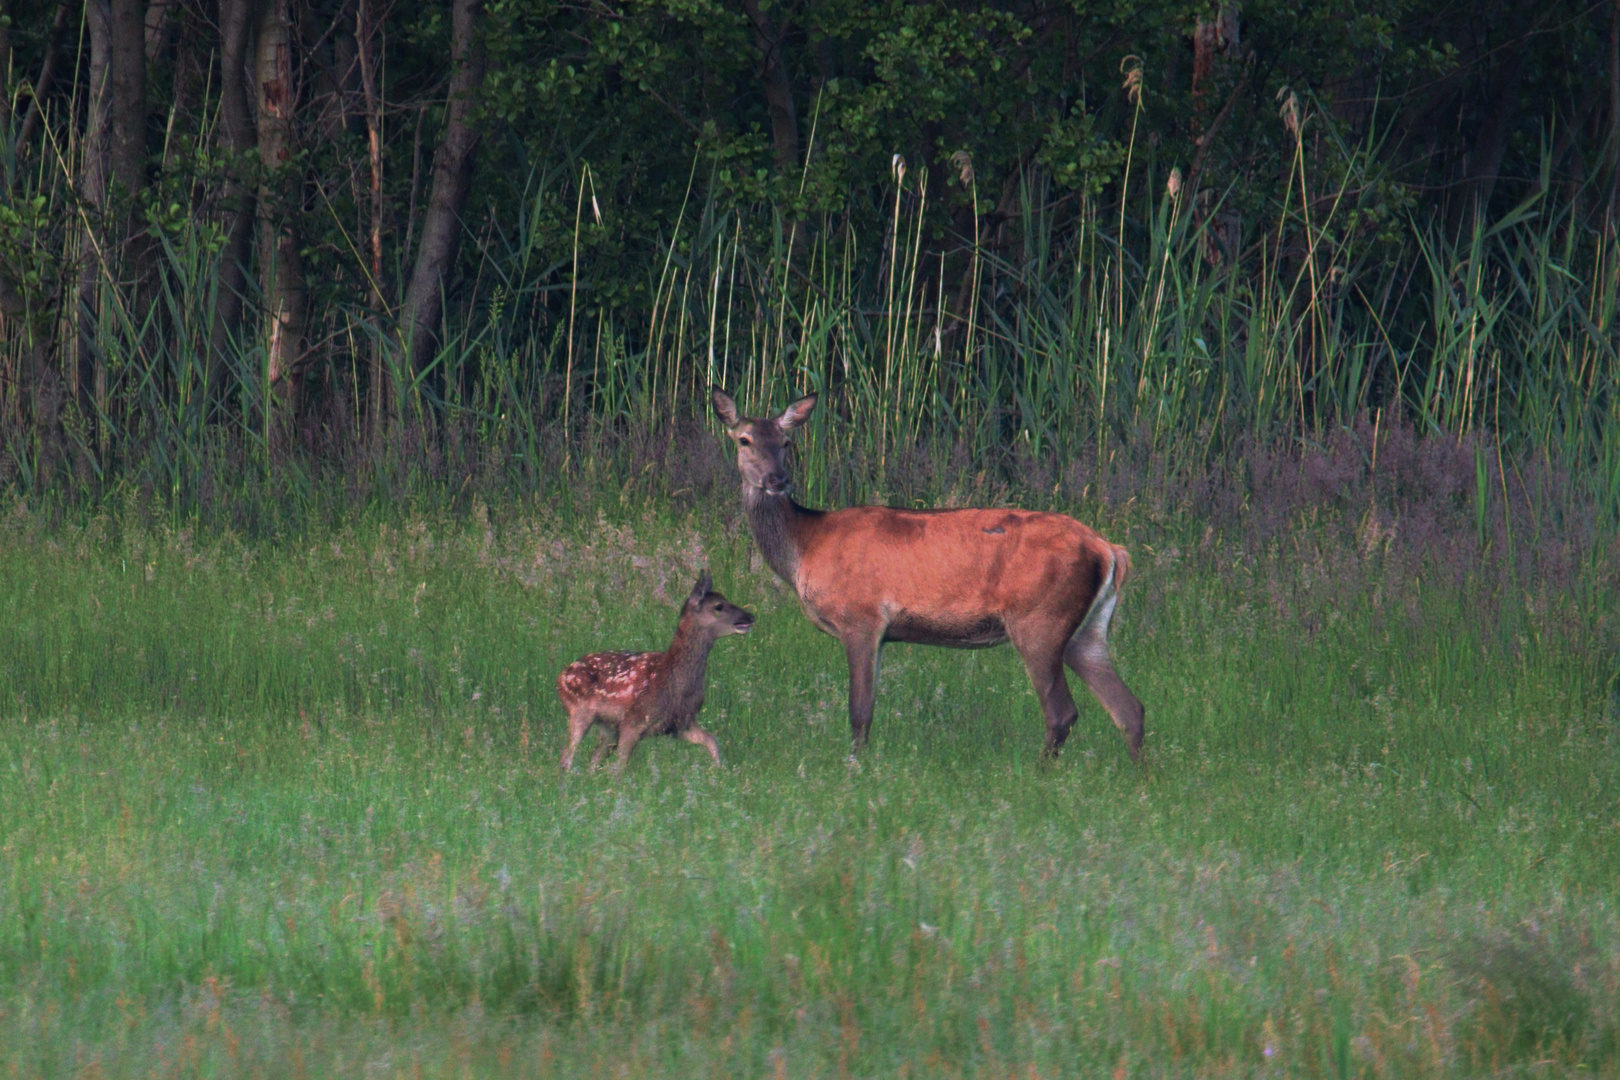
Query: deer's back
{"type": "Point", "coordinates": [953, 566]}
{"type": "Point", "coordinates": [610, 678]}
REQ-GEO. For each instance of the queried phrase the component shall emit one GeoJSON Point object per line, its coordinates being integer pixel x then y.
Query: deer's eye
{"type": "Point", "coordinates": [743, 440]}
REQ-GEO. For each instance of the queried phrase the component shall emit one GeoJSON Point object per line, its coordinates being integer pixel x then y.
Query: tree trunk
{"type": "Point", "coordinates": [334, 84]}
{"type": "Point", "coordinates": [11, 303]}
{"type": "Point", "coordinates": [5, 65]}
{"type": "Point", "coordinates": [236, 132]}
{"type": "Point", "coordinates": [156, 23]}
{"type": "Point", "coordinates": [367, 24]}
{"type": "Point", "coordinates": [47, 78]}
{"type": "Point", "coordinates": [1614, 106]}
{"type": "Point", "coordinates": [1483, 162]}
{"type": "Point", "coordinates": [282, 269]}
{"type": "Point", "coordinates": [773, 76]}
{"type": "Point", "coordinates": [130, 252]}
{"type": "Point", "coordinates": [128, 95]}
{"type": "Point", "coordinates": [452, 178]}
{"type": "Point", "coordinates": [94, 167]}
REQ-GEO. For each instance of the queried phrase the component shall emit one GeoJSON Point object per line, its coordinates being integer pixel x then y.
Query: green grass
{"type": "Point", "coordinates": [293, 810]}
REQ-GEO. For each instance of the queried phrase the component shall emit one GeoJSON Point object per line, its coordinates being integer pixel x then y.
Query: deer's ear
{"type": "Point", "coordinates": [796, 413]}
{"type": "Point", "coordinates": [704, 586]}
{"type": "Point", "coordinates": [724, 407]}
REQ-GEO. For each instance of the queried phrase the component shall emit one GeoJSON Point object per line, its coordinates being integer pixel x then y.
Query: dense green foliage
{"type": "Point", "coordinates": [993, 229]}
{"type": "Point", "coordinates": [645, 92]}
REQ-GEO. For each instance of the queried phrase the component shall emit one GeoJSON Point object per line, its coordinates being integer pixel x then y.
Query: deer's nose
{"type": "Point", "coordinates": [778, 483]}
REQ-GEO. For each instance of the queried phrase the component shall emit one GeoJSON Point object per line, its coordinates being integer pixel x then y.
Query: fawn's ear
{"type": "Point", "coordinates": [724, 407]}
{"type": "Point", "coordinates": [796, 413]}
{"type": "Point", "coordinates": [704, 586]}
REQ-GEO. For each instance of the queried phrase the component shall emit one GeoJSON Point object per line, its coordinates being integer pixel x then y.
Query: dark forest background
{"type": "Point", "coordinates": [284, 241]}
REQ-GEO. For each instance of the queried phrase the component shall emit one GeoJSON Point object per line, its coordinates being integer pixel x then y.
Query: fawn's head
{"type": "Point", "coordinates": [710, 613]}
{"type": "Point", "coordinates": [762, 442]}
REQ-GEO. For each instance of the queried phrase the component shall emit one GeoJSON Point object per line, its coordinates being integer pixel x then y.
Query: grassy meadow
{"type": "Point", "coordinates": [290, 807]}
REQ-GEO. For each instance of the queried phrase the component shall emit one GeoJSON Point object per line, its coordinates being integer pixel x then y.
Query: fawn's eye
{"type": "Point", "coordinates": [743, 440]}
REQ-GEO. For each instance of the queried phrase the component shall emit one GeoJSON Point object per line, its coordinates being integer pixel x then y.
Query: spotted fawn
{"type": "Point", "coordinates": [633, 694]}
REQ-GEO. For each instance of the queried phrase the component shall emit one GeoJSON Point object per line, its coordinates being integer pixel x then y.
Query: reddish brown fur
{"type": "Point", "coordinates": [958, 578]}
{"type": "Point", "coordinates": [635, 694]}
{"type": "Point", "coordinates": [609, 676]}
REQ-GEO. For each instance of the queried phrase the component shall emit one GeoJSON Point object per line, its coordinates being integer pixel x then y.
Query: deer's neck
{"type": "Point", "coordinates": [778, 524]}
{"type": "Point", "coordinates": [687, 657]}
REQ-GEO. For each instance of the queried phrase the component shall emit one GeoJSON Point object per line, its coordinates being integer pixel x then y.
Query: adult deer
{"type": "Point", "coordinates": [966, 579]}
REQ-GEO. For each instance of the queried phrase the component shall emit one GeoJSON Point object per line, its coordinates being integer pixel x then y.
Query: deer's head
{"type": "Point", "coordinates": [762, 442]}
{"type": "Point", "coordinates": [712, 613]}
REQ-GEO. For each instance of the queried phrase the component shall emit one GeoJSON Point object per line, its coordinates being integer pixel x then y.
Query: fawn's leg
{"type": "Point", "coordinates": [628, 737]}
{"type": "Point", "coordinates": [699, 737]}
{"type": "Point", "coordinates": [580, 719]}
{"type": "Point", "coordinates": [610, 737]}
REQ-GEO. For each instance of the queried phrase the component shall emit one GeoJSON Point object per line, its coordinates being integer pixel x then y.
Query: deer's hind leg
{"type": "Point", "coordinates": [1042, 650]}
{"type": "Point", "coordinates": [580, 719]}
{"type": "Point", "coordinates": [608, 740]}
{"type": "Point", "coordinates": [1087, 653]}
{"type": "Point", "coordinates": [1093, 664]}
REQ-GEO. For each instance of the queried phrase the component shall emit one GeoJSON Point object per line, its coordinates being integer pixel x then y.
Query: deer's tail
{"type": "Point", "coordinates": [1094, 627]}
{"type": "Point", "coordinates": [1122, 566]}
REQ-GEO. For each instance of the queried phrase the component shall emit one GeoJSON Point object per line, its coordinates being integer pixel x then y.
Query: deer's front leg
{"type": "Point", "coordinates": [628, 737]}
{"type": "Point", "coordinates": [699, 737]}
{"type": "Point", "coordinates": [861, 649]}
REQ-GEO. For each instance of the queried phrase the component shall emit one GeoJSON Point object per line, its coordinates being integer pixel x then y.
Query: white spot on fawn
{"type": "Point", "coordinates": [615, 676]}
